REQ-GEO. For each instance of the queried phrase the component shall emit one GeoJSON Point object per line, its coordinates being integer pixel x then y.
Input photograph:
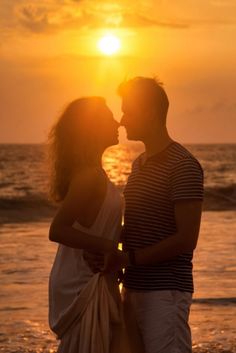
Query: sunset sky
{"type": "Point", "coordinates": [49, 56]}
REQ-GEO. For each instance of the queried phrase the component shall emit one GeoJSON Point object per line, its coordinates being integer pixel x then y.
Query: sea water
{"type": "Point", "coordinates": [26, 254]}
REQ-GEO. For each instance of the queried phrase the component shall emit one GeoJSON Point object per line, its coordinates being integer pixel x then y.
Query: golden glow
{"type": "Point", "coordinates": [109, 44]}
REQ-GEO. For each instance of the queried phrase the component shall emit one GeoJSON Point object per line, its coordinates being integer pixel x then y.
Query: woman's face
{"type": "Point", "coordinates": [107, 128]}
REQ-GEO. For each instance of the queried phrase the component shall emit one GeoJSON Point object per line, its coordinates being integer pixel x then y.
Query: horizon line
{"type": "Point", "coordinates": [124, 143]}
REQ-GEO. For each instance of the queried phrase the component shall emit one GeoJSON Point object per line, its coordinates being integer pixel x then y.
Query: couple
{"type": "Point", "coordinates": [163, 203]}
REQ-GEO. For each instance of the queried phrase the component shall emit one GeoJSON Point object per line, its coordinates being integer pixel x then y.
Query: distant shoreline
{"type": "Point", "coordinates": [126, 143]}
{"type": "Point", "coordinates": [25, 177]}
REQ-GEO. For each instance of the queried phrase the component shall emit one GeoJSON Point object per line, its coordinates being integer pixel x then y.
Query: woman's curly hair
{"type": "Point", "coordinates": [71, 143]}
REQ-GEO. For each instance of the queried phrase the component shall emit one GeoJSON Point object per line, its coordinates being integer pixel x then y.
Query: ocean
{"type": "Point", "coordinates": [27, 254]}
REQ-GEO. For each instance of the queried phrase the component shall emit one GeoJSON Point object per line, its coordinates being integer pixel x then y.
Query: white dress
{"type": "Point", "coordinates": [82, 309]}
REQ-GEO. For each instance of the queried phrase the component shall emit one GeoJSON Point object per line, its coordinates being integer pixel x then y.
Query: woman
{"type": "Point", "coordinates": [84, 308]}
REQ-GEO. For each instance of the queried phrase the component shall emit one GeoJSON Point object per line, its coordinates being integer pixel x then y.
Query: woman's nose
{"type": "Point", "coordinates": [122, 120]}
{"type": "Point", "coordinates": [117, 124]}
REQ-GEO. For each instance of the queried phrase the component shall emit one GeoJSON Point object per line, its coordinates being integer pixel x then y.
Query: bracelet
{"type": "Point", "coordinates": [132, 257]}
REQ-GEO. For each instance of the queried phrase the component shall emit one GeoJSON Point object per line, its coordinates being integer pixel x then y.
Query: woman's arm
{"type": "Point", "coordinates": [81, 196]}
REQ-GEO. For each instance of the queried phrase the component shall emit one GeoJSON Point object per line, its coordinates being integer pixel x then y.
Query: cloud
{"type": "Point", "coordinates": [139, 20]}
{"type": "Point", "coordinates": [222, 3]}
{"type": "Point", "coordinates": [220, 106]}
{"type": "Point", "coordinates": [33, 18]}
{"type": "Point", "coordinates": [217, 107]}
{"type": "Point", "coordinates": [48, 16]}
{"type": "Point", "coordinates": [55, 15]}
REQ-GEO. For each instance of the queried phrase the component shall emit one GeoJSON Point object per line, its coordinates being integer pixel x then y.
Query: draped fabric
{"type": "Point", "coordinates": [85, 308]}
{"type": "Point", "coordinates": [93, 322]}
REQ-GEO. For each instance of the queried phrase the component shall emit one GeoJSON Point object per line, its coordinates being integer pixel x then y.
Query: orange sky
{"type": "Point", "coordinates": [49, 56]}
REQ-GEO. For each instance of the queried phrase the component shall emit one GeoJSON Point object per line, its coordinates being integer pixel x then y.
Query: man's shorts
{"type": "Point", "coordinates": [161, 317]}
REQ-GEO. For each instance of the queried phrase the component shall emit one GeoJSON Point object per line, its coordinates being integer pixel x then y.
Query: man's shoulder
{"type": "Point", "coordinates": [137, 161]}
{"type": "Point", "coordinates": [181, 153]}
{"type": "Point", "coordinates": [183, 159]}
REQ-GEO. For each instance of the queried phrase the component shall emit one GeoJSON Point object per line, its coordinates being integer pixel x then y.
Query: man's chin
{"type": "Point", "coordinates": [114, 142]}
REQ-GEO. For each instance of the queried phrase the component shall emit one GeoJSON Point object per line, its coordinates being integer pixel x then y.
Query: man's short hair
{"type": "Point", "coordinates": [151, 90]}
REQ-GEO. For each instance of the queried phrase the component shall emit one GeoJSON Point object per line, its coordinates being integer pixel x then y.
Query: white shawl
{"type": "Point", "coordinates": [93, 322]}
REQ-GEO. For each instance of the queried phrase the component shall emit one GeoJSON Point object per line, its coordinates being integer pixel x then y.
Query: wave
{"type": "Point", "coordinates": [38, 206]}
{"type": "Point", "coordinates": [25, 209]}
{"type": "Point", "coordinates": [220, 198]}
{"type": "Point", "coordinates": [4, 185]}
{"type": "Point", "coordinates": [10, 308]}
{"type": "Point", "coordinates": [215, 301]}
{"type": "Point", "coordinates": [19, 203]}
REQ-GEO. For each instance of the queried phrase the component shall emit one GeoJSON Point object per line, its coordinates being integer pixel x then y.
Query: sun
{"type": "Point", "coordinates": [109, 44]}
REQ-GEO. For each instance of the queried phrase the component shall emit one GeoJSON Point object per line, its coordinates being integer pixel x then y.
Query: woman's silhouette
{"type": "Point", "coordinates": [84, 308]}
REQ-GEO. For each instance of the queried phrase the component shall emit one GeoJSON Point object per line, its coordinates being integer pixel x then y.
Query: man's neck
{"type": "Point", "coordinates": [157, 143]}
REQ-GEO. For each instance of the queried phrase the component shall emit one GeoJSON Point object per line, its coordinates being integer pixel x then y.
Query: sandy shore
{"type": "Point", "coordinates": [215, 348]}
{"type": "Point", "coordinates": [27, 256]}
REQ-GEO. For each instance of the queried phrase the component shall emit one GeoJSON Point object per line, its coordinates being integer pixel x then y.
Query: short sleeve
{"type": "Point", "coordinates": [187, 180]}
{"type": "Point", "coordinates": [136, 164]}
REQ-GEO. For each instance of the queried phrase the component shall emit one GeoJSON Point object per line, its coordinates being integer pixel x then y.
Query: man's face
{"type": "Point", "coordinates": [135, 118]}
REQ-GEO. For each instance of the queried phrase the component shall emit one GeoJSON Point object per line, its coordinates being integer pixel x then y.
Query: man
{"type": "Point", "coordinates": [163, 199]}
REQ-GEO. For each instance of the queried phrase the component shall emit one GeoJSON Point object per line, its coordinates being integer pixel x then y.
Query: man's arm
{"type": "Point", "coordinates": [188, 218]}
{"type": "Point", "coordinates": [186, 185]}
{"type": "Point", "coordinates": [186, 193]}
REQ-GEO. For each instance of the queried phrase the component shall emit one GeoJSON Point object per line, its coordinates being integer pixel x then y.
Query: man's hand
{"type": "Point", "coordinates": [115, 261]}
{"type": "Point", "coordinates": [94, 260]}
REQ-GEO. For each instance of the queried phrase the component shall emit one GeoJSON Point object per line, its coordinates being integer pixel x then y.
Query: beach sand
{"type": "Point", "coordinates": [27, 256]}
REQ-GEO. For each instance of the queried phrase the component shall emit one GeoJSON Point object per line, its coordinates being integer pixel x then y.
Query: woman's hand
{"type": "Point", "coordinates": [115, 261]}
{"type": "Point", "coordinates": [94, 260]}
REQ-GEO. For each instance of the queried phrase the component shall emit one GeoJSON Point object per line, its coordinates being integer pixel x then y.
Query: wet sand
{"type": "Point", "coordinates": [27, 256]}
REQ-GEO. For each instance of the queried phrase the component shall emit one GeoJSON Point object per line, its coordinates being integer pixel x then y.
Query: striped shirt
{"type": "Point", "coordinates": [150, 194]}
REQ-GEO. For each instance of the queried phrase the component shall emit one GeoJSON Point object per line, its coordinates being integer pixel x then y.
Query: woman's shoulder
{"type": "Point", "coordinates": [88, 180]}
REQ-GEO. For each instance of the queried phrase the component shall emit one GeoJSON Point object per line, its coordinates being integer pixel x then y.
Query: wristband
{"type": "Point", "coordinates": [132, 257]}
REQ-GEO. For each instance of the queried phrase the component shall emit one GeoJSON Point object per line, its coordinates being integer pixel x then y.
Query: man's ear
{"type": "Point", "coordinates": [152, 113]}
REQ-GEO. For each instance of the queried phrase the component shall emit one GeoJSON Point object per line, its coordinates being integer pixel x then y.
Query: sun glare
{"type": "Point", "coordinates": [109, 44]}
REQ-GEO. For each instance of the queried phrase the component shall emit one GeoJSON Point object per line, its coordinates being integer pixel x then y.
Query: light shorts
{"type": "Point", "coordinates": [161, 317]}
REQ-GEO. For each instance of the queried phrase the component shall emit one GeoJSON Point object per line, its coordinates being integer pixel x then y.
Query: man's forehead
{"type": "Point", "coordinates": [131, 101]}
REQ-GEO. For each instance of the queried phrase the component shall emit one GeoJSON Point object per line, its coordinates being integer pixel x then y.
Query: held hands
{"type": "Point", "coordinates": [115, 261]}
{"type": "Point", "coordinates": [94, 260]}
{"type": "Point", "coordinates": [110, 262]}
